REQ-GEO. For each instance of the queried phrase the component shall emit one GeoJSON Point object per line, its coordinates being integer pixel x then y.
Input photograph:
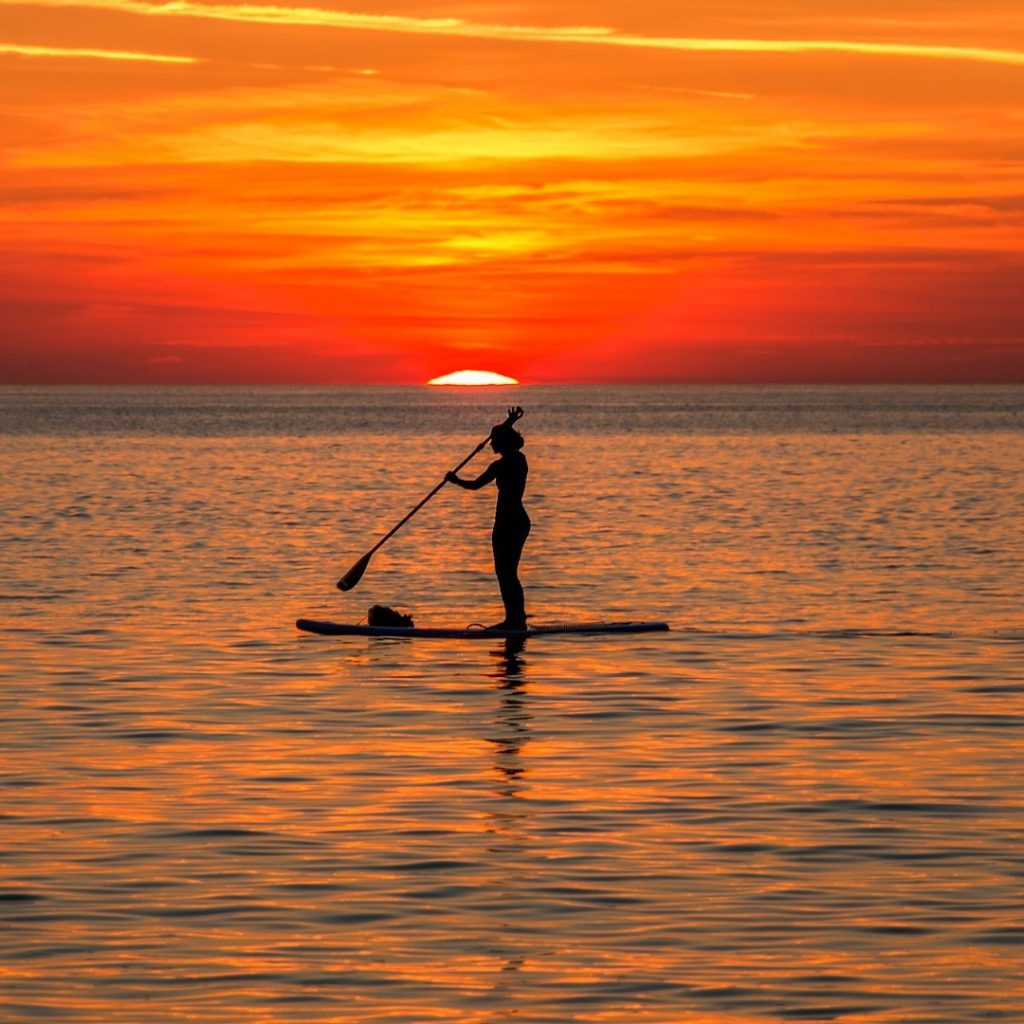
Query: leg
{"type": "Point", "coordinates": [508, 549]}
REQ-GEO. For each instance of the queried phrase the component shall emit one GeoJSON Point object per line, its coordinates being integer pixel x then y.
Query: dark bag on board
{"type": "Point", "coordinates": [382, 615]}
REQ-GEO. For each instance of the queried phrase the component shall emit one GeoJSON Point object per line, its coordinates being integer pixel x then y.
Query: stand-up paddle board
{"type": "Point", "coordinates": [477, 632]}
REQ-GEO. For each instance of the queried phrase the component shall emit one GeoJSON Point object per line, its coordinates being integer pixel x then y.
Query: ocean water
{"type": "Point", "coordinates": [802, 804]}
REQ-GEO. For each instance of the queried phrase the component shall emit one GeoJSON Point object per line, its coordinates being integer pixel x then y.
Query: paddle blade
{"type": "Point", "coordinates": [355, 574]}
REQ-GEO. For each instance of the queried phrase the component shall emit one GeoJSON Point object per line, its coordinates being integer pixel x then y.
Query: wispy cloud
{"type": "Point", "coordinates": [63, 51]}
{"type": "Point", "coordinates": [579, 35]}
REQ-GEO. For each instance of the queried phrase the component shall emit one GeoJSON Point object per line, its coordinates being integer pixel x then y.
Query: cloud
{"type": "Point", "coordinates": [64, 194]}
{"type": "Point", "coordinates": [579, 35]}
{"type": "Point", "coordinates": [62, 51]}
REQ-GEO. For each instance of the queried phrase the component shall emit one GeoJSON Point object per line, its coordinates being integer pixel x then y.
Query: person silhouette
{"type": "Point", "coordinates": [511, 523]}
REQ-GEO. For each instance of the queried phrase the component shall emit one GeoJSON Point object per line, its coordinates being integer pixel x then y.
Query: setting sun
{"type": "Point", "coordinates": [470, 378]}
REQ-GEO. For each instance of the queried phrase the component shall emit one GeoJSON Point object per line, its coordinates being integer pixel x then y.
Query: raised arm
{"type": "Point", "coordinates": [473, 485]}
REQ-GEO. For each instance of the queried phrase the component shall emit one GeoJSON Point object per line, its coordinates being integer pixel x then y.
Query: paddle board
{"type": "Point", "coordinates": [477, 632]}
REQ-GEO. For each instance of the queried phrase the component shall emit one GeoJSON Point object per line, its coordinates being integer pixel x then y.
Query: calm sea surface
{"type": "Point", "coordinates": [802, 804]}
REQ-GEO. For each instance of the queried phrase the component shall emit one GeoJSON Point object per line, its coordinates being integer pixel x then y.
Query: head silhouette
{"type": "Point", "coordinates": [505, 440]}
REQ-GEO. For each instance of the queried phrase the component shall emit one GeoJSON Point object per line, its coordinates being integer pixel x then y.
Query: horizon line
{"type": "Point", "coordinates": [535, 384]}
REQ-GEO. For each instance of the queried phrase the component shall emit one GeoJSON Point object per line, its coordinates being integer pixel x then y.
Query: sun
{"type": "Point", "coordinates": [471, 378]}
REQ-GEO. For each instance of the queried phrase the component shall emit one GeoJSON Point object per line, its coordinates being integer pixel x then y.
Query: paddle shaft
{"type": "Point", "coordinates": [355, 574]}
{"type": "Point", "coordinates": [394, 529]}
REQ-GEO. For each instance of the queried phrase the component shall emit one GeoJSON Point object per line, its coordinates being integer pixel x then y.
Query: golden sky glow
{"type": "Point", "coordinates": [572, 191]}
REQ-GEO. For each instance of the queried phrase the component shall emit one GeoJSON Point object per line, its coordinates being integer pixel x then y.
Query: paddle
{"type": "Point", "coordinates": [355, 574]}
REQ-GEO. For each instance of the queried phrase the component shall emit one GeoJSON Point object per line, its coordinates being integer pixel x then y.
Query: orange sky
{"type": "Point", "coordinates": [561, 191]}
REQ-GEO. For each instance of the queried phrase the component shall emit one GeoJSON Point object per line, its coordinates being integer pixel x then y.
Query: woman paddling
{"type": "Point", "coordinates": [511, 523]}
